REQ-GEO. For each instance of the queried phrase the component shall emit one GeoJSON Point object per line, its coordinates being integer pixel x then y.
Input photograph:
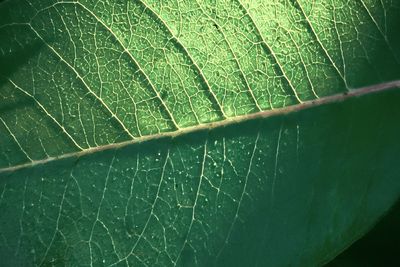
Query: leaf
{"type": "Point", "coordinates": [158, 133]}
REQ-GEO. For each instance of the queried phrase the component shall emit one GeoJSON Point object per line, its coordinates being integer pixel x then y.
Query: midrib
{"type": "Point", "coordinates": [218, 124]}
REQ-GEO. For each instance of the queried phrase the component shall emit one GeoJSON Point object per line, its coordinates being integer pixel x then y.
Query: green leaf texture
{"type": "Point", "coordinates": [195, 133]}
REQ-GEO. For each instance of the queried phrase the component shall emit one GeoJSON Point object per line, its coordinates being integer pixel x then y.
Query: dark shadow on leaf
{"type": "Point", "coordinates": [20, 56]}
{"type": "Point", "coordinates": [11, 63]}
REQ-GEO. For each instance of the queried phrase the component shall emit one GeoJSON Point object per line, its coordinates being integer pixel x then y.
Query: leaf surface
{"type": "Point", "coordinates": [157, 133]}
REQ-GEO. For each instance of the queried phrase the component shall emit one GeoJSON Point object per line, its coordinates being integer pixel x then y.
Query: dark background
{"type": "Point", "coordinates": [379, 248]}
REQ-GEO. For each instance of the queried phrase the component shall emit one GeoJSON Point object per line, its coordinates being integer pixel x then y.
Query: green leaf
{"type": "Point", "coordinates": [196, 133]}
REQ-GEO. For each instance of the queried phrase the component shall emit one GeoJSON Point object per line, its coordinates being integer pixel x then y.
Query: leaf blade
{"type": "Point", "coordinates": [92, 77]}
